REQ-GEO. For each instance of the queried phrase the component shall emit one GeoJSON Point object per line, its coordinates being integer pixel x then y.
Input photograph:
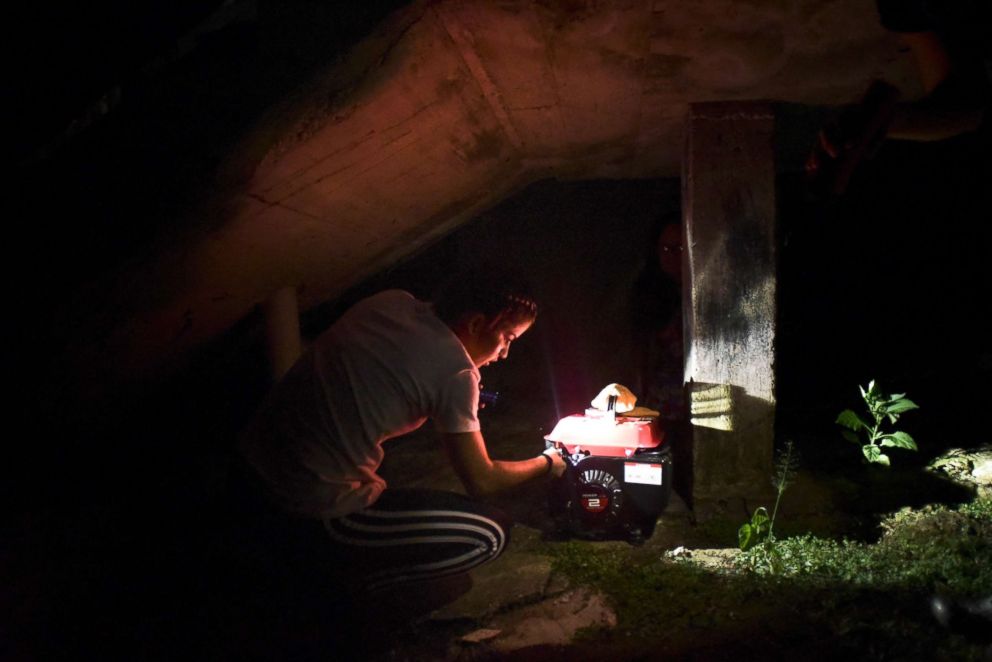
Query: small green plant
{"type": "Point", "coordinates": [880, 407]}
{"type": "Point", "coordinates": [756, 531]}
{"type": "Point", "coordinates": [761, 528]}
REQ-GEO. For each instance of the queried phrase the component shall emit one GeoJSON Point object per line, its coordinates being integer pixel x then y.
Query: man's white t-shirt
{"type": "Point", "coordinates": [380, 371]}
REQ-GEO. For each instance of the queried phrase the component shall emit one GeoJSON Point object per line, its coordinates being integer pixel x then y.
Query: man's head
{"type": "Point", "coordinates": [488, 308]}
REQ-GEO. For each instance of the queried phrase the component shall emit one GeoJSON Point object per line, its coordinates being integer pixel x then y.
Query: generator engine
{"type": "Point", "coordinates": [617, 479]}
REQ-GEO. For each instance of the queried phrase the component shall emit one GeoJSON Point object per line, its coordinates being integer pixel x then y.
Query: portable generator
{"type": "Point", "coordinates": [618, 475]}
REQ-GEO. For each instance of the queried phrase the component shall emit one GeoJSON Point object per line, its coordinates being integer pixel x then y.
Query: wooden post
{"type": "Point", "coordinates": [282, 331]}
{"type": "Point", "coordinates": [728, 196]}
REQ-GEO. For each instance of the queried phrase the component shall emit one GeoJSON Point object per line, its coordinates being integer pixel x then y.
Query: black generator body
{"type": "Point", "coordinates": [617, 479]}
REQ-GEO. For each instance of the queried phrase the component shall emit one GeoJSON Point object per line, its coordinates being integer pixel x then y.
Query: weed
{"type": "Point", "coordinates": [880, 407]}
{"type": "Point", "coordinates": [761, 528]}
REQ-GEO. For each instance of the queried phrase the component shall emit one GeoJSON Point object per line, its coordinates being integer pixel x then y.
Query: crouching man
{"type": "Point", "coordinates": [386, 366]}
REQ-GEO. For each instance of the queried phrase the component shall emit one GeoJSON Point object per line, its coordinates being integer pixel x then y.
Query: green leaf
{"type": "Point", "coordinates": [850, 436]}
{"type": "Point", "coordinates": [850, 420]}
{"type": "Point", "coordinates": [871, 452]}
{"type": "Point", "coordinates": [900, 406]}
{"type": "Point", "coordinates": [750, 533]}
{"type": "Point", "coordinates": [745, 537]}
{"type": "Point", "coordinates": [883, 459]}
{"type": "Point", "coordinates": [899, 440]}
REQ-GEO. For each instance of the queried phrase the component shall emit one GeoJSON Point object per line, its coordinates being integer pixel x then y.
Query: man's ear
{"type": "Point", "coordinates": [475, 323]}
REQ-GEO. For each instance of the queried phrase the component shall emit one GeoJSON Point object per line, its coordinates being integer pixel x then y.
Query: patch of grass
{"type": "Point", "coordinates": [933, 548]}
{"type": "Point", "coordinates": [870, 601]}
{"type": "Point", "coordinates": [655, 598]}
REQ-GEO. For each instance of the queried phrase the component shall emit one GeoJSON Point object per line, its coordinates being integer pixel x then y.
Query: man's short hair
{"type": "Point", "coordinates": [492, 290]}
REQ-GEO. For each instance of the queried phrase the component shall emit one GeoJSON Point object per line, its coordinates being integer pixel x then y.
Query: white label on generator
{"type": "Point", "coordinates": [645, 474]}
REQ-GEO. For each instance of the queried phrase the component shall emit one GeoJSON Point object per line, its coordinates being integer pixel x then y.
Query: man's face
{"type": "Point", "coordinates": [487, 341]}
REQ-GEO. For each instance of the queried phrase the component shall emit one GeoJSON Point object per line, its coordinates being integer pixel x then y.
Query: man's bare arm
{"type": "Point", "coordinates": [481, 475]}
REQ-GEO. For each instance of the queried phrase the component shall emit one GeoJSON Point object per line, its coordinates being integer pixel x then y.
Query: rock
{"type": "Point", "coordinates": [513, 579]}
{"type": "Point", "coordinates": [967, 466]}
{"type": "Point", "coordinates": [553, 621]}
{"type": "Point", "coordinates": [982, 470]}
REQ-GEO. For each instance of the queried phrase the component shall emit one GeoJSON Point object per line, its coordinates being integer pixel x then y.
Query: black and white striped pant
{"type": "Point", "coordinates": [413, 534]}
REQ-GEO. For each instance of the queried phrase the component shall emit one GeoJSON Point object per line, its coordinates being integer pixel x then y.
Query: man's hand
{"type": "Point", "coordinates": [557, 461]}
{"type": "Point", "coordinates": [851, 138]}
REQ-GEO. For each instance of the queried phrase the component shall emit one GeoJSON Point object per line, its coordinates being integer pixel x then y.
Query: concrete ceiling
{"type": "Point", "coordinates": [449, 106]}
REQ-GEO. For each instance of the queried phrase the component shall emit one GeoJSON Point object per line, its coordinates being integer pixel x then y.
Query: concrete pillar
{"type": "Point", "coordinates": [282, 331]}
{"type": "Point", "coordinates": [729, 307]}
